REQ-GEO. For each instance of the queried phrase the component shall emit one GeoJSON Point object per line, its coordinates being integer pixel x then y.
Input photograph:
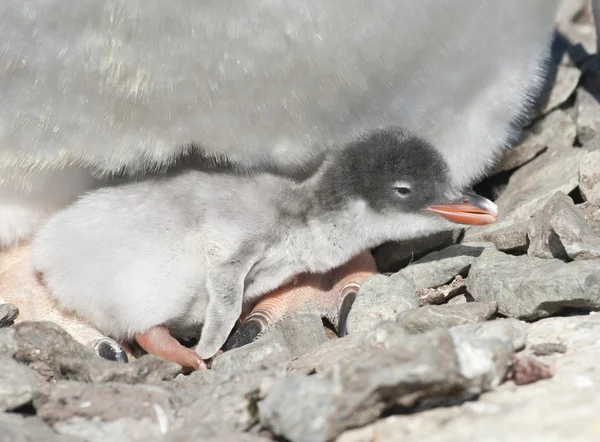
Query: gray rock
{"type": "Point", "coordinates": [268, 349]}
{"type": "Point", "coordinates": [106, 402]}
{"type": "Point", "coordinates": [565, 82]}
{"type": "Point", "coordinates": [19, 385]}
{"type": "Point", "coordinates": [591, 212]}
{"type": "Point", "coordinates": [534, 183]}
{"type": "Point", "coordinates": [16, 428]}
{"type": "Point", "coordinates": [392, 256]}
{"type": "Point", "coordinates": [42, 344]}
{"type": "Point", "coordinates": [380, 298]}
{"type": "Point", "coordinates": [198, 433]}
{"type": "Point", "coordinates": [318, 408]}
{"type": "Point", "coordinates": [440, 295]}
{"type": "Point", "coordinates": [589, 176]}
{"type": "Point", "coordinates": [303, 332]}
{"type": "Point", "coordinates": [508, 330]}
{"type": "Point", "coordinates": [429, 317]}
{"type": "Point", "coordinates": [507, 236]}
{"type": "Point", "coordinates": [588, 116]}
{"type": "Point", "coordinates": [532, 288]}
{"type": "Point", "coordinates": [122, 430]}
{"type": "Point", "coordinates": [8, 314]}
{"type": "Point", "coordinates": [148, 368]}
{"type": "Point", "coordinates": [560, 231]}
{"type": "Point", "coordinates": [593, 144]}
{"type": "Point", "coordinates": [439, 268]}
{"type": "Point", "coordinates": [555, 131]}
{"type": "Point", "coordinates": [8, 344]}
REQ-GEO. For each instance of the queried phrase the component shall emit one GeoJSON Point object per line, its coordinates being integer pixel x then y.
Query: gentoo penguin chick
{"type": "Point", "coordinates": [194, 249]}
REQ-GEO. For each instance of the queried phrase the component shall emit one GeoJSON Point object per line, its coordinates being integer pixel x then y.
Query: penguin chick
{"type": "Point", "coordinates": [191, 250]}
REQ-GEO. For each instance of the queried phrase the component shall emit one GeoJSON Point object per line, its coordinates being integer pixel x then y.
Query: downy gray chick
{"type": "Point", "coordinates": [191, 250]}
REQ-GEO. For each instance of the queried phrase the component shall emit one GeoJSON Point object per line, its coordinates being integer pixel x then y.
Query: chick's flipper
{"type": "Point", "coordinates": [330, 294]}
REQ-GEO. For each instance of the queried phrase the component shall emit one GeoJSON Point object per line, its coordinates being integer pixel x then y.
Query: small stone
{"type": "Point", "coordinates": [198, 433]}
{"type": "Point", "coordinates": [548, 348]}
{"type": "Point", "coordinates": [507, 235]}
{"type": "Point", "coordinates": [125, 429]}
{"type": "Point", "coordinates": [460, 299]}
{"type": "Point", "coordinates": [8, 314]}
{"type": "Point", "coordinates": [532, 288]}
{"type": "Point", "coordinates": [555, 131]}
{"type": "Point", "coordinates": [429, 317]}
{"type": "Point", "coordinates": [148, 368]}
{"type": "Point", "coordinates": [105, 402]}
{"type": "Point", "coordinates": [303, 332]}
{"type": "Point", "coordinates": [527, 369]}
{"type": "Point", "coordinates": [439, 268]}
{"type": "Point", "coordinates": [591, 212]}
{"type": "Point", "coordinates": [16, 428]}
{"type": "Point", "coordinates": [508, 330]}
{"type": "Point", "coordinates": [19, 385]}
{"type": "Point", "coordinates": [534, 183]}
{"type": "Point", "coordinates": [588, 116]}
{"type": "Point", "coordinates": [380, 298]}
{"type": "Point", "coordinates": [589, 176]}
{"type": "Point", "coordinates": [593, 144]}
{"type": "Point", "coordinates": [268, 349]}
{"type": "Point", "coordinates": [42, 344]}
{"type": "Point", "coordinates": [8, 345]}
{"type": "Point", "coordinates": [565, 82]}
{"type": "Point", "coordinates": [440, 295]}
{"type": "Point", "coordinates": [560, 231]}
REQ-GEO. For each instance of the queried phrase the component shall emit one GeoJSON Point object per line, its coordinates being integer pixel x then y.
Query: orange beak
{"type": "Point", "coordinates": [475, 210]}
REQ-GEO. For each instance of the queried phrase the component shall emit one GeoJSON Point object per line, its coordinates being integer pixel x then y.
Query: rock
{"type": "Point", "coordinates": [126, 429]}
{"type": "Point", "coordinates": [8, 345]}
{"type": "Point", "coordinates": [556, 131]}
{"type": "Point", "coordinates": [589, 176]}
{"type": "Point", "coordinates": [445, 293]}
{"type": "Point", "coordinates": [593, 144]}
{"type": "Point", "coordinates": [560, 231]}
{"type": "Point", "coordinates": [532, 288]}
{"type": "Point", "coordinates": [8, 314]}
{"type": "Point", "coordinates": [508, 330]}
{"type": "Point", "coordinates": [15, 428]}
{"type": "Point", "coordinates": [507, 235]}
{"type": "Point", "coordinates": [527, 369]}
{"type": "Point", "coordinates": [392, 256]}
{"type": "Point", "coordinates": [548, 348]}
{"type": "Point", "coordinates": [380, 298]}
{"type": "Point", "coordinates": [320, 407]}
{"type": "Point", "coordinates": [429, 317]}
{"type": "Point", "coordinates": [534, 183]}
{"type": "Point", "coordinates": [302, 332]}
{"type": "Point", "coordinates": [439, 268]}
{"type": "Point", "coordinates": [268, 349]}
{"type": "Point", "coordinates": [199, 433]}
{"type": "Point", "coordinates": [565, 82]}
{"type": "Point", "coordinates": [148, 368]}
{"type": "Point", "coordinates": [42, 344]}
{"type": "Point", "coordinates": [19, 385]}
{"type": "Point", "coordinates": [106, 402]}
{"type": "Point", "coordinates": [588, 116]}
{"type": "Point", "coordinates": [591, 212]}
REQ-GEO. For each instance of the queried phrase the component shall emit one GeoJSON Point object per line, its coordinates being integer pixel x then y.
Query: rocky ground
{"type": "Point", "coordinates": [489, 334]}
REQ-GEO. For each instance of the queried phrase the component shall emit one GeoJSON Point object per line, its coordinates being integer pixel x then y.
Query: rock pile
{"type": "Point", "coordinates": [449, 347]}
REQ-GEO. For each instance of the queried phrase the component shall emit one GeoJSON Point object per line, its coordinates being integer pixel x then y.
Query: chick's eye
{"type": "Point", "coordinates": [403, 190]}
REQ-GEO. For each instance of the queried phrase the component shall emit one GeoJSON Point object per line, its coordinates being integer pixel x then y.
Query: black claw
{"type": "Point", "coordinates": [108, 349]}
{"type": "Point", "coordinates": [244, 335]}
{"type": "Point", "coordinates": [344, 312]}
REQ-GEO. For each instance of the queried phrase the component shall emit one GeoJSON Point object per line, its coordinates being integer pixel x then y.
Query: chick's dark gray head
{"type": "Point", "coordinates": [390, 169]}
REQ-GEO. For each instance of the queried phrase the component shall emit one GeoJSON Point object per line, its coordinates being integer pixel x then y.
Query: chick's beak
{"type": "Point", "coordinates": [473, 209]}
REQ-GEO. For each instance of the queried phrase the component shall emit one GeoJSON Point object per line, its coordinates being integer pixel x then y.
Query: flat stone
{"type": "Point", "coordinates": [588, 116]}
{"type": "Point", "coordinates": [591, 212]}
{"type": "Point", "coordinates": [125, 429]}
{"type": "Point", "coordinates": [42, 344]}
{"type": "Point", "coordinates": [148, 368]}
{"type": "Point", "coordinates": [8, 314]}
{"type": "Point", "coordinates": [560, 231]}
{"type": "Point", "coordinates": [589, 176]}
{"type": "Point", "coordinates": [302, 332]}
{"type": "Point", "coordinates": [510, 331]}
{"type": "Point", "coordinates": [268, 349]}
{"type": "Point", "coordinates": [556, 131]}
{"type": "Point", "coordinates": [198, 433]}
{"type": "Point", "coordinates": [16, 428]}
{"type": "Point", "coordinates": [507, 236]}
{"type": "Point", "coordinates": [534, 183]}
{"type": "Point", "coordinates": [106, 402]}
{"type": "Point", "coordinates": [19, 385]}
{"type": "Point", "coordinates": [442, 294]}
{"type": "Point", "coordinates": [532, 288]}
{"type": "Point", "coordinates": [441, 267]}
{"type": "Point", "coordinates": [8, 344]}
{"type": "Point", "coordinates": [429, 317]}
{"type": "Point", "coordinates": [565, 82]}
{"type": "Point", "coordinates": [380, 298]}
{"type": "Point", "coordinates": [434, 364]}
